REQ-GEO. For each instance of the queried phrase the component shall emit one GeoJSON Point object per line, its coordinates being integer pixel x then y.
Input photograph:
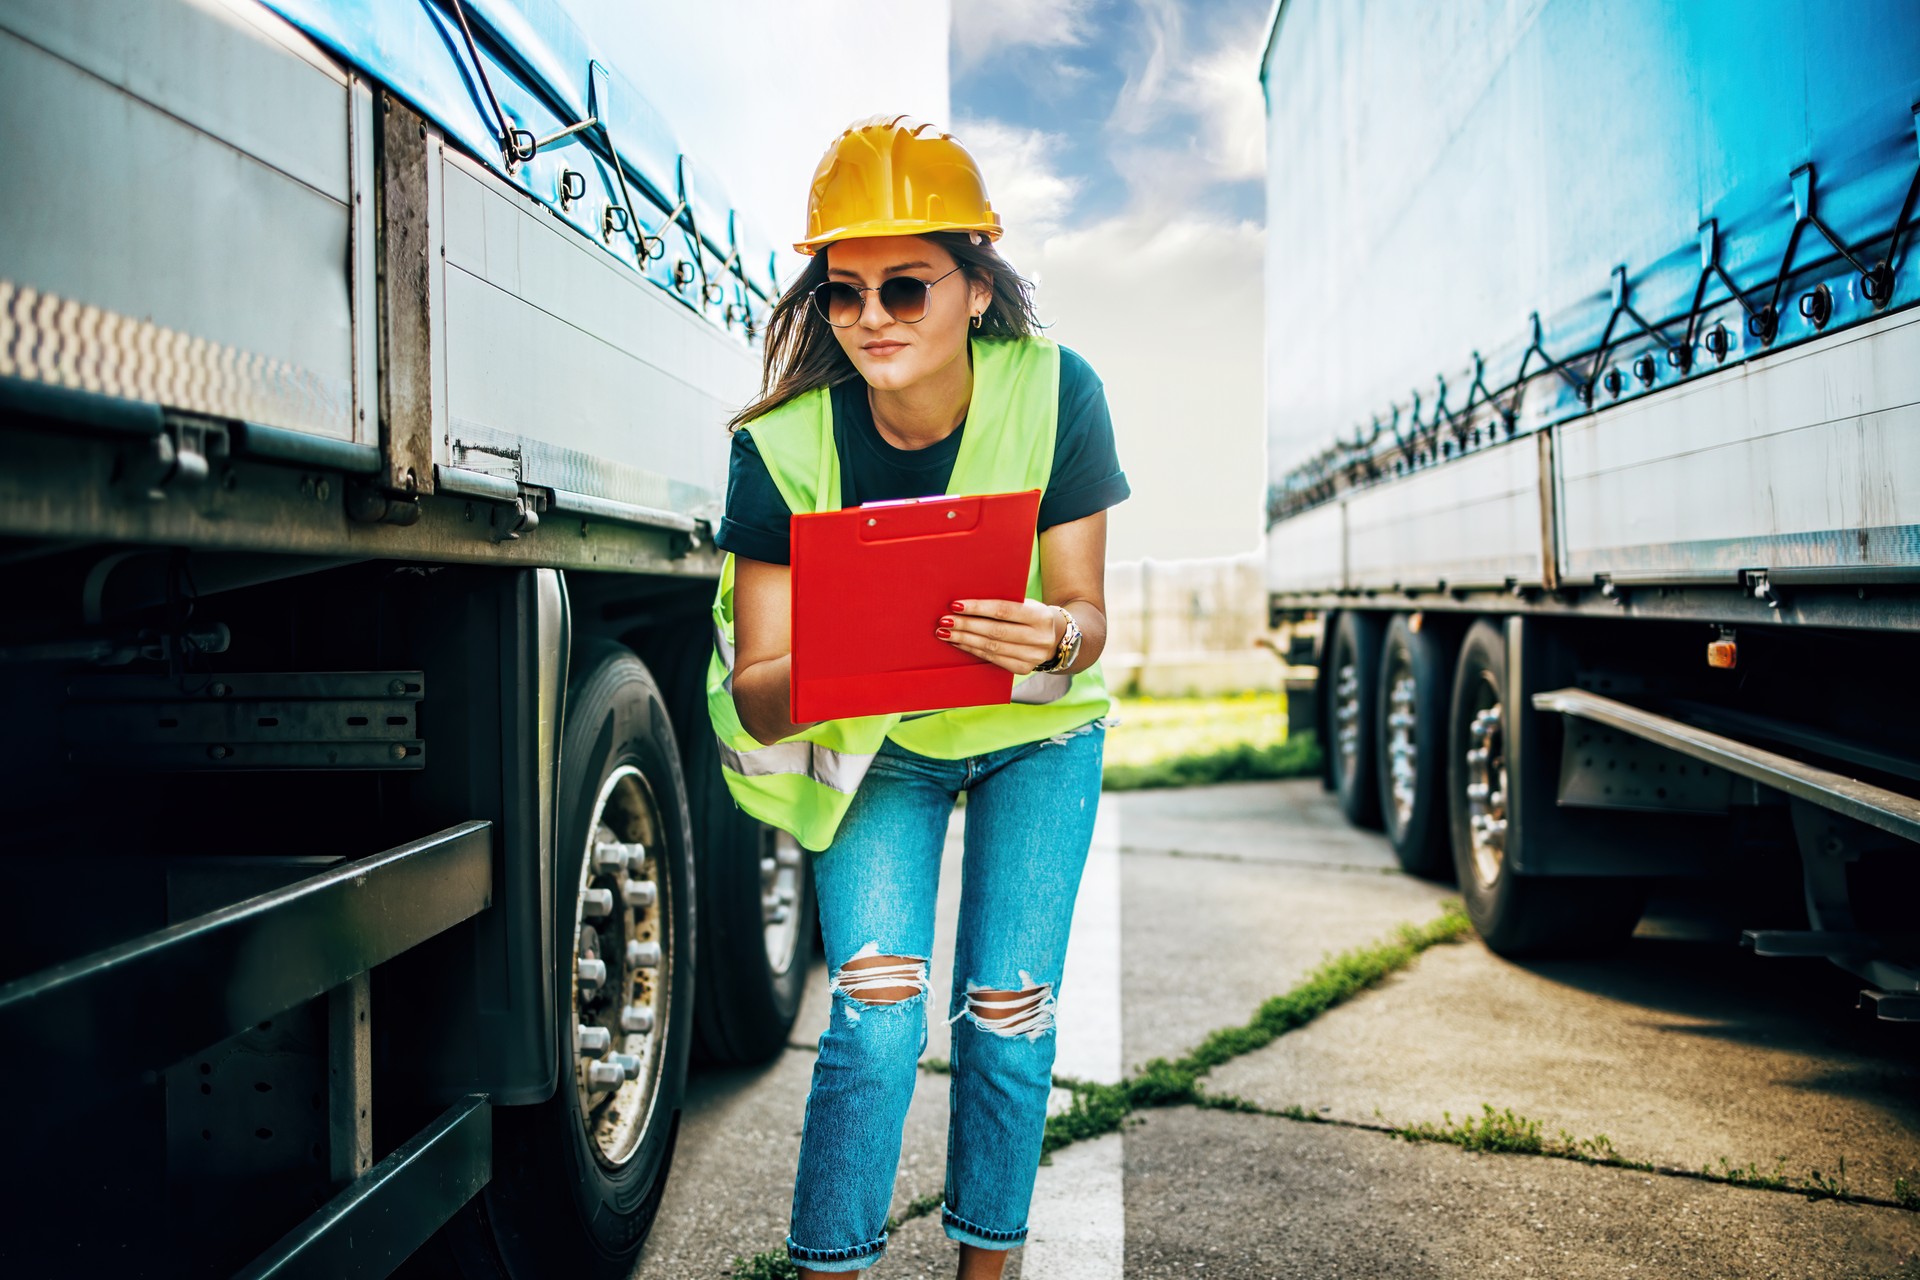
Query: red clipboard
{"type": "Point", "coordinates": [870, 583]}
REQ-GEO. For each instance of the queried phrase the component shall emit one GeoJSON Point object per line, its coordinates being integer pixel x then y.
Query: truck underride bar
{"type": "Point", "coordinates": [101, 1024]}
{"type": "Point", "coordinates": [1890, 811]}
{"type": "Point", "coordinates": [373, 1225]}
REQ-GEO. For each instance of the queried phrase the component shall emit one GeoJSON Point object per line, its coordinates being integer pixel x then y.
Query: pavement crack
{"type": "Point", "coordinates": [1505, 1134]}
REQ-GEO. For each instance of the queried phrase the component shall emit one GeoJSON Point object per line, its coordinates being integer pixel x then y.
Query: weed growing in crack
{"type": "Point", "coordinates": [916, 1208]}
{"type": "Point", "coordinates": [768, 1264]}
{"type": "Point", "coordinates": [1493, 1131]}
{"type": "Point", "coordinates": [1819, 1186]}
{"type": "Point", "coordinates": [1748, 1175]}
{"type": "Point", "coordinates": [938, 1065]}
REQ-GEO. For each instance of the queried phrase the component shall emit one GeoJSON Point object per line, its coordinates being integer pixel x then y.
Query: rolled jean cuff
{"type": "Point", "coordinates": [958, 1228]}
{"type": "Point", "coordinates": [854, 1258]}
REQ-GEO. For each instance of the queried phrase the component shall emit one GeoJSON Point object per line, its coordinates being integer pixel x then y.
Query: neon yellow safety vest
{"type": "Point", "coordinates": [804, 783]}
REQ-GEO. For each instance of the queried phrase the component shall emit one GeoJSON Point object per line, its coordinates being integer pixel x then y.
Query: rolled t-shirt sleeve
{"type": "Point", "coordinates": [1086, 465]}
{"type": "Point", "coordinates": [756, 521]}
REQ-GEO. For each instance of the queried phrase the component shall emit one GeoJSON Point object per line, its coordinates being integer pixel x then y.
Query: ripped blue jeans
{"type": "Point", "coordinates": [1030, 812]}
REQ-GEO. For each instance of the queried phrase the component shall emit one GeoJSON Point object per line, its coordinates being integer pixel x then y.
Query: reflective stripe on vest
{"type": "Point", "coordinates": [841, 770]}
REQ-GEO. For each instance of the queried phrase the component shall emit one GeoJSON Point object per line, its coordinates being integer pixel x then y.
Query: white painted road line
{"type": "Point", "coordinates": [1077, 1225]}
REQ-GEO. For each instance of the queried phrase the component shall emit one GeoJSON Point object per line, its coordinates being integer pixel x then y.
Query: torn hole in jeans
{"type": "Point", "coordinates": [1027, 1011]}
{"type": "Point", "coordinates": [862, 986]}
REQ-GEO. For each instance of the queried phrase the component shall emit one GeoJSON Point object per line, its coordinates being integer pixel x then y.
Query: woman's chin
{"type": "Point", "coordinates": [885, 375]}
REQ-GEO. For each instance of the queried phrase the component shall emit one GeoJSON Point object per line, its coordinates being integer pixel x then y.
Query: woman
{"type": "Point", "coordinates": [904, 363]}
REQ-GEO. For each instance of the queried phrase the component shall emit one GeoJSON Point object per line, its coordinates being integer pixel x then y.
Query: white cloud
{"type": "Point", "coordinates": [1169, 313]}
{"type": "Point", "coordinates": [981, 27]}
{"type": "Point", "coordinates": [1212, 92]}
{"type": "Point", "coordinates": [1024, 181]}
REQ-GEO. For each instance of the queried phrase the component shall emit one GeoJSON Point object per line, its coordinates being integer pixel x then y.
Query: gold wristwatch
{"type": "Point", "coordinates": [1069, 646]}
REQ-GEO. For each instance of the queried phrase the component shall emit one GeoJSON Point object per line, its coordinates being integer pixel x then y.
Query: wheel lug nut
{"type": "Point", "coordinates": [768, 867]}
{"type": "Point", "coordinates": [610, 856]}
{"type": "Point", "coordinates": [643, 955]}
{"type": "Point", "coordinates": [789, 855]}
{"type": "Point", "coordinates": [596, 904]}
{"type": "Point", "coordinates": [592, 971]}
{"type": "Point", "coordinates": [593, 1041]}
{"type": "Point", "coordinates": [606, 1075]}
{"type": "Point", "coordinates": [639, 893]}
{"type": "Point", "coordinates": [637, 1018]}
{"type": "Point", "coordinates": [628, 1064]}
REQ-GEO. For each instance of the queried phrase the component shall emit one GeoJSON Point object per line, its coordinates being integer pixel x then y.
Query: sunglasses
{"type": "Point", "coordinates": [903, 297]}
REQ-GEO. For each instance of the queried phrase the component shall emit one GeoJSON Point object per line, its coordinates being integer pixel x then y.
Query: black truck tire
{"type": "Point", "coordinates": [748, 997]}
{"type": "Point", "coordinates": [1515, 915]}
{"type": "Point", "coordinates": [559, 1203]}
{"type": "Point", "coordinates": [1353, 718]}
{"type": "Point", "coordinates": [1411, 704]}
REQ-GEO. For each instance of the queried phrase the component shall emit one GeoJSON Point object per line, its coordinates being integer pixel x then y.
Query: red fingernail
{"type": "Point", "coordinates": [957, 607]}
{"type": "Point", "coordinates": [943, 633]}
{"type": "Point", "coordinates": [946, 622]}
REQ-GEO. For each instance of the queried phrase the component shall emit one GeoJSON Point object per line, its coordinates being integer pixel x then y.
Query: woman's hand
{"type": "Point", "coordinates": [1016, 634]}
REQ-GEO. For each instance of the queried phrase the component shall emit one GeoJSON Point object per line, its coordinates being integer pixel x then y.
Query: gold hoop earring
{"type": "Point", "coordinates": [976, 318]}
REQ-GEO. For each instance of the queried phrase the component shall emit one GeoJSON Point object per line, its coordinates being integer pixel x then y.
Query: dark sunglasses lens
{"type": "Point", "coordinates": [905, 299]}
{"type": "Point", "coordinates": [838, 304]}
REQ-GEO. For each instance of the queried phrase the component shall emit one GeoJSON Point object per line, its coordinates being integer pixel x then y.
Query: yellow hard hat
{"type": "Point", "coordinates": [895, 176]}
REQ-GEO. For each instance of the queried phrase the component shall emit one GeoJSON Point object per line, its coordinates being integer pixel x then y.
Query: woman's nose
{"type": "Point", "coordinates": [872, 314]}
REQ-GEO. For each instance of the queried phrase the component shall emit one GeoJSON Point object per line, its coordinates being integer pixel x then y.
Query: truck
{"type": "Point", "coordinates": [364, 372]}
{"type": "Point", "coordinates": [1593, 393]}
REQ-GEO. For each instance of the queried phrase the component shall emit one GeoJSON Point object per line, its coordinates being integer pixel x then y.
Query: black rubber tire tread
{"type": "Point", "coordinates": [1357, 634]}
{"type": "Point", "coordinates": [1422, 847]}
{"type": "Point", "coordinates": [552, 1208]}
{"type": "Point", "coordinates": [743, 1012]}
{"type": "Point", "coordinates": [1518, 915]}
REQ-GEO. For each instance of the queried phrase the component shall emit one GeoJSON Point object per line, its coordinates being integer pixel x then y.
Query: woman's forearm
{"type": "Point", "coordinates": [761, 698]}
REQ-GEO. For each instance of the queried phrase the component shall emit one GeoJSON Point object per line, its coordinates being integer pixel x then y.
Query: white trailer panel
{"type": "Point", "coordinates": [1308, 552]}
{"type": "Point", "coordinates": [1472, 521]}
{"type": "Point", "coordinates": [1806, 458]}
{"type": "Point", "coordinates": [565, 369]}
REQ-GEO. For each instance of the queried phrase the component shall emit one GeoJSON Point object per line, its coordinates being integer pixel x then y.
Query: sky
{"type": "Point", "coordinates": [1124, 145]}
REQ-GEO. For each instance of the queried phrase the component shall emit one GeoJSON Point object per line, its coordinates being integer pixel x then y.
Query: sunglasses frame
{"type": "Point", "coordinates": [926, 294]}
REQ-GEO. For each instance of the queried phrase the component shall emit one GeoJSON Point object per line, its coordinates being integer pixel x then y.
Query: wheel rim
{"type": "Point", "coordinates": [1402, 731]}
{"type": "Point", "coordinates": [1346, 713]}
{"type": "Point", "coordinates": [780, 872]}
{"type": "Point", "coordinates": [1487, 783]}
{"type": "Point", "coordinates": [623, 951]}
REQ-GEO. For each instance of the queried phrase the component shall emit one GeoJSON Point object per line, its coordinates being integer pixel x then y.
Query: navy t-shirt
{"type": "Point", "coordinates": [1086, 469]}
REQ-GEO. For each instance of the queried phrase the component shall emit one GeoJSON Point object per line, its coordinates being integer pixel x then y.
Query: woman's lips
{"type": "Point", "coordinates": [883, 348]}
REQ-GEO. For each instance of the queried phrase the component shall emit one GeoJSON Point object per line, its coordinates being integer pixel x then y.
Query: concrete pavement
{"type": "Point", "coordinates": [1681, 1050]}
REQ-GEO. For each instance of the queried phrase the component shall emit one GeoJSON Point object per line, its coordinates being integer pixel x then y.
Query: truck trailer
{"type": "Point", "coordinates": [364, 372]}
{"type": "Point", "coordinates": [1594, 437]}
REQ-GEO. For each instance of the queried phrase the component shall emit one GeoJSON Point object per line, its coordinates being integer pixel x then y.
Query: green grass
{"type": "Point", "coordinates": [1155, 729]}
{"type": "Point", "coordinates": [768, 1264]}
{"type": "Point", "coordinates": [1294, 758]}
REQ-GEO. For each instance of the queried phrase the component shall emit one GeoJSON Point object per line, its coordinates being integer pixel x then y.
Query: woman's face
{"type": "Point", "coordinates": [891, 355]}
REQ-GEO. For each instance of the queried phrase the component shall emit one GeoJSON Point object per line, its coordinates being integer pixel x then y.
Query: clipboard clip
{"type": "Point", "coordinates": [919, 517]}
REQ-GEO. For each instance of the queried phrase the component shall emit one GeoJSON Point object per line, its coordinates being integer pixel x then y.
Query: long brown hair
{"type": "Point", "coordinates": [802, 354]}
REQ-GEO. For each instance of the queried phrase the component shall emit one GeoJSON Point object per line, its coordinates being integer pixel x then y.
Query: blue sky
{"type": "Point", "coordinates": [1080, 69]}
{"type": "Point", "coordinates": [1124, 147]}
